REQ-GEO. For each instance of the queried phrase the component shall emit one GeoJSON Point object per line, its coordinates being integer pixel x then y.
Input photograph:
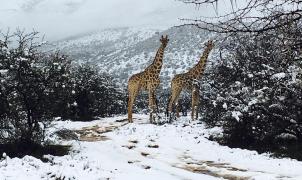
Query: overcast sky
{"type": "Point", "coordinates": [63, 18]}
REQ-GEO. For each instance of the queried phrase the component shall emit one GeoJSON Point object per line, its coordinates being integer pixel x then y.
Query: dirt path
{"type": "Point", "coordinates": [91, 133]}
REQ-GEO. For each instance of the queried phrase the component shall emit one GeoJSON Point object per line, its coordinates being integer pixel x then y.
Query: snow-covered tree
{"type": "Point", "coordinates": [255, 91]}
{"type": "Point", "coordinates": [28, 79]}
{"type": "Point", "coordinates": [95, 94]}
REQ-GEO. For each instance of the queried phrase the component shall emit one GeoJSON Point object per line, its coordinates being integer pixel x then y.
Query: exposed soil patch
{"type": "Point", "coordinates": [133, 141]}
{"type": "Point", "coordinates": [129, 146]}
{"type": "Point", "coordinates": [217, 165]}
{"type": "Point", "coordinates": [93, 138]}
{"type": "Point", "coordinates": [205, 170]}
{"type": "Point", "coordinates": [92, 134]}
{"type": "Point", "coordinates": [122, 120]}
{"type": "Point", "coordinates": [146, 167]}
{"type": "Point", "coordinates": [283, 177]}
{"type": "Point", "coordinates": [212, 168]}
{"type": "Point", "coordinates": [95, 129]}
{"type": "Point", "coordinates": [152, 146]}
{"type": "Point", "coordinates": [135, 161]}
{"type": "Point", "coordinates": [144, 154]}
{"type": "Point", "coordinates": [89, 134]}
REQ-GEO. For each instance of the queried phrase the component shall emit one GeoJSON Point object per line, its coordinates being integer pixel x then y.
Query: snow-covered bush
{"type": "Point", "coordinates": [255, 91]}
{"type": "Point", "coordinates": [95, 94]}
{"type": "Point", "coordinates": [28, 79]}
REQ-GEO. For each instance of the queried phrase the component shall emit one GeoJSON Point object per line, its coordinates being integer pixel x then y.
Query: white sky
{"type": "Point", "coordinates": [63, 18]}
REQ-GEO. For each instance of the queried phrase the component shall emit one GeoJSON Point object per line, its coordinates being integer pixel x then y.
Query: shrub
{"type": "Point", "coordinates": [28, 79]}
{"type": "Point", "coordinates": [95, 94]}
{"type": "Point", "coordinates": [254, 92]}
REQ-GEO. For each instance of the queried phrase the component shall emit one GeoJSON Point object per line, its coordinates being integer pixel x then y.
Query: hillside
{"type": "Point", "coordinates": [124, 51]}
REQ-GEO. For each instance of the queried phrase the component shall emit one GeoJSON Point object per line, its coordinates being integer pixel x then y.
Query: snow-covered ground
{"type": "Point", "coordinates": [110, 148]}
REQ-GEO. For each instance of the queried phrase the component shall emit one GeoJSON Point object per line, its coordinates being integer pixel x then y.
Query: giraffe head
{"type": "Point", "coordinates": [209, 44]}
{"type": "Point", "coordinates": [164, 40]}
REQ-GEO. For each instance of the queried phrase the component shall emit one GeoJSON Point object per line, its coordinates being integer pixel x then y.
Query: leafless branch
{"type": "Point", "coordinates": [257, 16]}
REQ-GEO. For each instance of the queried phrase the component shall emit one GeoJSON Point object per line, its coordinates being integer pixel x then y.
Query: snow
{"type": "Point", "coordinates": [141, 150]}
{"type": "Point", "coordinates": [252, 102]}
{"type": "Point", "coordinates": [3, 71]}
{"type": "Point", "coordinates": [236, 114]}
{"type": "Point", "coordinates": [214, 103]}
{"type": "Point", "coordinates": [286, 136]}
{"type": "Point", "coordinates": [250, 75]}
{"type": "Point", "coordinates": [225, 106]}
{"type": "Point", "coordinates": [279, 76]}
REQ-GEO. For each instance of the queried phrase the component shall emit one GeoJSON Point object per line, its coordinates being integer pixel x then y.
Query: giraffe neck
{"type": "Point", "coordinates": [158, 60]}
{"type": "Point", "coordinates": [199, 68]}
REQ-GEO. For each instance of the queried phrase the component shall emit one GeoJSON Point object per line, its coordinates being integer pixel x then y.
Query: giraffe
{"type": "Point", "coordinates": [147, 80]}
{"type": "Point", "coordinates": [188, 81]}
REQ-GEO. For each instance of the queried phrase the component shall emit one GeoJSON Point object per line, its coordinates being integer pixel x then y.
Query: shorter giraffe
{"type": "Point", "coordinates": [147, 80]}
{"type": "Point", "coordinates": [188, 81]}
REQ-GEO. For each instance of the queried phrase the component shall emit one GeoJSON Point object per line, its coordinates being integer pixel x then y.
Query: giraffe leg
{"type": "Point", "coordinates": [152, 104]}
{"type": "Point", "coordinates": [155, 102]}
{"type": "Point", "coordinates": [173, 99]}
{"type": "Point", "coordinates": [195, 103]}
{"type": "Point", "coordinates": [132, 93]}
{"type": "Point", "coordinates": [177, 108]}
{"type": "Point", "coordinates": [155, 105]}
{"type": "Point", "coordinates": [193, 109]}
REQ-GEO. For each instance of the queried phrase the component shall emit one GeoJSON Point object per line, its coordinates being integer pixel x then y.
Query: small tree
{"type": "Point", "coordinates": [28, 79]}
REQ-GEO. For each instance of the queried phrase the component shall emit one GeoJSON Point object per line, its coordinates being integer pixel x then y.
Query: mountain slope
{"type": "Point", "coordinates": [124, 51]}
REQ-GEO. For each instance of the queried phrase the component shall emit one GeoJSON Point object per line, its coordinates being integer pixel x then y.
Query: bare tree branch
{"type": "Point", "coordinates": [257, 16]}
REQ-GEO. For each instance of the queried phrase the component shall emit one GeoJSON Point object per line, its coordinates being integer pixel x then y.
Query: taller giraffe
{"type": "Point", "coordinates": [188, 81]}
{"type": "Point", "coordinates": [147, 80]}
